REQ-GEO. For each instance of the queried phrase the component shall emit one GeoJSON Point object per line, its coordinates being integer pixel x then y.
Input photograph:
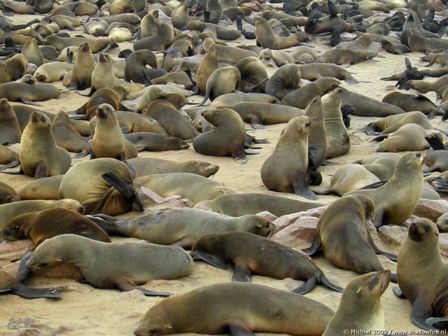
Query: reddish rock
{"type": "Point", "coordinates": [286, 220]}
{"type": "Point", "coordinates": [298, 234]}
{"type": "Point", "coordinates": [431, 209]}
{"type": "Point", "coordinates": [268, 216]}
{"type": "Point", "coordinates": [443, 244]}
{"type": "Point", "coordinates": [393, 234]}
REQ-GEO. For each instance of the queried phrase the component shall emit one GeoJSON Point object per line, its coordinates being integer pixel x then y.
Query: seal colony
{"type": "Point", "coordinates": [210, 126]}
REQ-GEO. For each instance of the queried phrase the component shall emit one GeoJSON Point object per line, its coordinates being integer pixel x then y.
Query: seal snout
{"type": "Point", "coordinates": [414, 232]}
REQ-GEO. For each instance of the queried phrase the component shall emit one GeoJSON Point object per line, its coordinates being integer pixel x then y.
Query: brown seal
{"type": "Point", "coordinates": [135, 69]}
{"type": "Point", "coordinates": [417, 42]}
{"type": "Point", "coordinates": [240, 307]}
{"type": "Point", "coordinates": [110, 265]}
{"type": "Point", "coordinates": [284, 81]}
{"type": "Point", "coordinates": [222, 80]}
{"type": "Point", "coordinates": [286, 169]}
{"type": "Point", "coordinates": [41, 225]}
{"type": "Point", "coordinates": [32, 52]}
{"type": "Point", "coordinates": [266, 38]}
{"type": "Point", "coordinates": [101, 185]}
{"type": "Point", "coordinates": [83, 67]}
{"type": "Point", "coordinates": [39, 154]}
{"type": "Point", "coordinates": [253, 75]}
{"type": "Point", "coordinates": [392, 123]}
{"type": "Point", "coordinates": [148, 166]}
{"type": "Point", "coordinates": [381, 165]}
{"type": "Point", "coordinates": [242, 251]}
{"type": "Point", "coordinates": [226, 139]}
{"type": "Point", "coordinates": [303, 96]}
{"type": "Point", "coordinates": [360, 307]}
{"type": "Point", "coordinates": [43, 188]}
{"type": "Point", "coordinates": [409, 102]}
{"type": "Point", "coordinates": [112, 96]}
{"type": "Point", "coordinates": [240, 204]}
{"type": "Point", "coordinates": [207, 66]}
{"type": "Point", "coordinates": [7, 155]}
{"type": "Point", "coordinates": [265, 113]}
{"type": "Point", "coordinates": [315, 71]}
{"type": "Point", "coordinates": [28, 91]}
{"type": "Point", "coordinates": [52, 72]}
{"type": "Point", "coordinates": [343, 235]}
{"type": "Point", "coordinates": [66, 135]}
{"type": "Point", "coordinates": [7, 194]}
{"type": "Point", "coordinates": [182, 227]}
{"type": "Point", "coordinates": [396, 200]}
{"type": "Point", "coordinates": [13, 68]}
{"type": "Point", "coordinates": [194, 187]}
{"type": "Point", "coordinates": [135, 122]}
{"type": "Point", "coordinates": [155, 34]}
{"type": "Point", "coordinates": [10, 132]}
{"type": "Point", "coordinates": [155, 142]}
{"type": "Point", "coordinates": [422, 276]}
{"type": "Point", "coordinates": [341, 56]}
{"type": "Point", "coordinates": [409, 137]}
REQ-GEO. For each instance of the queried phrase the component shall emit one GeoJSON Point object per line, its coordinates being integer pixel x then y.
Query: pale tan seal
{"type": "Point", "coordinates": [148, 166]}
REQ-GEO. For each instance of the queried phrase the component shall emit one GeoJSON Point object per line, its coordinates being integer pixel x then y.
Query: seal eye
{"type": "Point", "coordinates": [43, 265]}
{"type": "Point", "coordinates": [426, 228]}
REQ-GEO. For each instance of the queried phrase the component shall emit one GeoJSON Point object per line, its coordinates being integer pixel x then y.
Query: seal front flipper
{"type": "Point", "coordinates": [437, 322]}
{"type": "Point", "coordinates": [241, 273]}
{"type": "Point", "coordinates": [23, 271]}
{"type": "Point", "coordinates": [398, 293]}
{"type": "Point", "coordinates": [239, 330]}
{"type": "Point", "coordinates": [379, 215]}
{"type": "Point", "coordinates": [37, 293]}
{"type": "Point", "coordinates": [209, 259]}
{"type": "Point", "coordinates": [82, 154]}
{"type": "Point", "coordinates": [240, 157]}
{"type": "Point", "coordinates": [122, 186]}
{"type": "Point", "coordinates": [421, 310]}
{"type": "Point", "coordinates": [301, 189]}
{"type": "Point", "coordinates": [315, 247]}
{"type": "Point", "coordinates": [126, 286]}
{"type": "Point", "coordinates": [435, 142]}
{"type": "Point", "coordinates": [307, 287]}
{"type": "Point", "coordinates": [374, 185]}
{"type": "Point", "coordinates": [390, 256]}
{"type": "Point", "coordinates": [41, 171]}
{"type": "Point", "coordinates": [29, 102]}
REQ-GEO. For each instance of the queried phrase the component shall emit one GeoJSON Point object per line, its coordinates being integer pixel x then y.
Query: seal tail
{"type": "Point", "coordinates": [37, 293]}
{"type": "Point", "coordinates": [107, 223]}
{"type": "Point", "coordinates": [323, 280]}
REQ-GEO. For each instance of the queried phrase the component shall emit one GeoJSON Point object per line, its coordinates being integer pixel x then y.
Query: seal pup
{"type": "Point", "coordinates": [41, 225]}
{"type": "Point", "coordinates": [102, 185]}
{"type": "Point", "coordinates": [422, 276]}
{"type": "Point", "coordinates": [110, 265]}
{"type": "Point", "coordinates": [238, 307]}
{"type": "Point", "coordinates": [343, 235]}
{"type": "Point", "coordinates": [286, 169]}
{"type": "Point", "coordinates": [182, 227]}
{"type": "Point", "coordinates": [360, 307]}
{"type": "Point", "coordinates": [242, 251]}
{"type": "Point", "coordinates": [39, 154]}
{"type": "Point", "coordinates": [227, 138]}
{"type": "Point", "coordinates": [9, 285]}
{"type": "Point", "coordinates": [396, 200]}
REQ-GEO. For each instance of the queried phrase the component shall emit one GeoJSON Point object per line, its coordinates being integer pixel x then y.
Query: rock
{"type": "Point", "coordinates": [29, 332]}
{"type": "Point", "coordinates": [393, 234]}
{"type": "Point", "coordinates": [132, 295]}
{"type": "Point", "coordinates": [299, 234]}
{"type": "Point", "coordinates": [268, 216]}
{"type": "Point", "coordinates": [443, 244]}
{"type": "Point", "coordinates": [286, 220]}
{"type": "Point", "coordinates": [442, 222]}
{"type": "Point", "coordinates": [431, 209]}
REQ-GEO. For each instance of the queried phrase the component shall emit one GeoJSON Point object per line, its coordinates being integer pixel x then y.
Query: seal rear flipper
{"type": "Point", "coordinates": [108, 225]}
{"type": "Point", "coordinates": [37, 293]}
{"type": "Point", "coordinates": [323, 280]}
{"type": "Point", "coordinates": [421, 310]}
{"type": "Point", "coordinates": [126, 286]}
{"type": "Point", "coordinates": [379, 137]}
{"type": "Point", "coordinates": [435, 142]}
{"type": "Point", "coordinates": [123, 187]}
{"type": "Point", "coordinates": [152, 293]}
{"type": "Point", "coordinates": [398, 293]}
{"type": "Point", "coordinates": [239, 330]}
{"type": "Point", "coordinates": [29, 102]}
{"type": "Point", "coordinates": [241, 273]}
{"type": "Point", "coordinates": [304, 192]}
{"type": "Point", "coordinates": [255, 121]}
{"type": "Point", "coordinates": [5, 291]}
{"type": "Point", "coordinates": [315, 247]}
{"type": "Point", "coordinates": [82, 154]}
{"type": "Point", "coordinates": [240, 157]}
{"type": "Point", "coordinates": [12, 164]}
{"type": "Point", "coordinates": [324, 192]}
{"type": "Point", "coordinates": [209, 259]}
{"type": "Point", "coordinates": [24, 272]}
{"type": "Point", "coordinates": [307, 287]}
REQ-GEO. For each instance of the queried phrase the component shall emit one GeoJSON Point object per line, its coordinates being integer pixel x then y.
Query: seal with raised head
{"type": "Point", "coordinates": [182, 227]}
{"type": "Point", "coordinates": [396, 200]}
{"type": "Point", "coordinates": [238, 307]}
{"type": "Point", "coordinates": [111, 265]}
{"type": "Point", "coordinates": [422, 276]}
{"type": "Point", "coordinates": [266, 37]}
{"type": "Point", "coordinates": [102, 185]}
{"type": "Point", "coordinates": [13, 68]}
{"type": "Point", "coordinates": [360, 307]}
{"type": "Point", "coordinates": [286, 169]}
{"type": "Point", "coordinates": [227, 137]}
{"type": "Point", "coordinates": [343, 235]}
{"type": "Point", "coordinates": [207, 66]}
{"type": "Point", "coordinates": [222, 80]}
{"type": "Point", "coordinates": [44, 224]}
{"type": "Point", "coordinates": [242, 251]}
{"type": "Point", "coordinates": [83, 67]}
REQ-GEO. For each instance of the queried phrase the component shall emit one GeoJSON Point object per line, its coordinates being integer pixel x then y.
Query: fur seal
{"type": "Point", "coordinates": [179, 15]}
{"type": "Point", "coordinates": [13, 68]}
{"type": "Point", "coordinates": [182, 227]}
{"type": "Point", "coordinates": [395, 201]}
{"type": "Point", "coordinates": [135, 69]}
{"type": "Point", "coordinates": [9, 285]}
{"type": "Point", "coordinates": [100, 264]}
{"type": "Point", "coordinates": [101, 185]}
{"type": "Point", "coordinates": [32, 53]}
{"type": "Point", "coordinates": [41, 225]}
{"type": "Point", "coordinates": [103, 74]}
{"type": "Point", "coordinates": [206, 68]}
{"type": "Point", "coordinates": [252, 203]}
{"type": "Point", "coordinates": [253, 75]}
{"type": "Point", "coordinates": [112, 96]}
{"type": "Point", "coordinates": [422, 276]}
{"type": "Point", "coordinates": [155, 142]}
{"type": "Point", "coordinates": [417, 42]}
{"type": "Point", "coordinates": [265, 113]}
{"type": "Point", "coordinates": [155, 34]}
{"type": "Point", "coordinates": [194, 187]}
{"type": "Point", "coordinates": [381, 165]}
{"type": "Point", "coordinates": [338, 139]}
{"type": "Point", "coordinates": [285, 170]}
{"type": "Point", "coordinates": [227, 138]}
{"type": "Point", "coordinates": [11, 210]}
{"type": "Point", "coordinates": [83, 67]}
{"type": "Point", "coordinates": [10, 132]}
{"type": "Point", "coordinates": [149, 166]}
{"type": "Point", "coordinates": [39, 154]}
{"type": "Point", "coordinates": [52, 72]}
{"type": "Point", "coordinates": [341, 56]}
{"type": "Point", "coordinates": [392, 123]}
{"type": "Point", "coordinates": [221, 81]}
{"type": "Point", "coordinates": [240, 307]}
{"type": "Point", "coordinates": [437, 158]}
{"type": "Point", "coordinates": [314, 71]}
{"type": "Point", "coordinates": [349, 178]}
{"type": "Point", "coordinates": [242, 251]}
{"type": "Point", "coordinates": [28, 91]}
{"type": "Point", "coordinates": [301, 97]}
{"type": "Point", "coordinates": [108, 140]}
{"type": "Point", "coordinates": [66, 135]}
{"type": "Point", "coordinates": [409, 137]}
{"type": "Point", "coordinates": [266, 38]}
{"type": "Point", "coordinates": [284, 81]}
{"type": "Point", "coordinates": [43, 188]}
{"type": "Point", "coordinates": [343, 235]}
{"type": "Point", "coordinates": [360, 307]}
{"type": "Point", "coordinates": [410, 102]}
{"type": "Point", "coordinates": [7, 155]}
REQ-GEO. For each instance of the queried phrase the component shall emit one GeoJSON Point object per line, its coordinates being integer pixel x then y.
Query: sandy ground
{"type": "Point", "coordinates": [88, 311]}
